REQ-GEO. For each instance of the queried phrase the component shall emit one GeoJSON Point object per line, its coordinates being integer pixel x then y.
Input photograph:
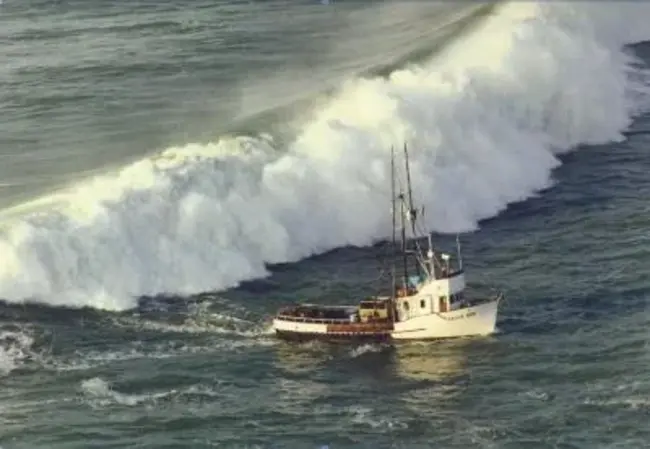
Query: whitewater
{"type": "Point", "coordinates": [485, 120]}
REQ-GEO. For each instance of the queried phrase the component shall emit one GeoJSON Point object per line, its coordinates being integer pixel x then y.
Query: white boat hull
{"type": "Point", "coordinates": [477, 320]}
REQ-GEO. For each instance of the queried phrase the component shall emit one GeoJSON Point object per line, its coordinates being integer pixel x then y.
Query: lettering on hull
{"type": "Point", "coordinates": [460, 317]}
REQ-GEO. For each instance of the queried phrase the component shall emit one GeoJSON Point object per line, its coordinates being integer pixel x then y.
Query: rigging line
{"type": "Point", "coordinates": [436, 260]}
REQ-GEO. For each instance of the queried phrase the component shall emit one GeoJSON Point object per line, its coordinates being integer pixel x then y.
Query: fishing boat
{"type": "Point", "coordinates": [429, 301]}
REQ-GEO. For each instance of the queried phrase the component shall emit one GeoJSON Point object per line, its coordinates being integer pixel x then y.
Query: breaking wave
{"type": "Point", "coordinates": [485, 121]}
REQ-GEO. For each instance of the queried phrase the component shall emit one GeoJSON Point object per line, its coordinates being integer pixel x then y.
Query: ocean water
{"type": "Point", "coordinates": [171, 174]}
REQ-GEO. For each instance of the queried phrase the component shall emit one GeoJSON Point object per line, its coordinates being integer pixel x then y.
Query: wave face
{"type": "Point", "coordinates": [484, 121]}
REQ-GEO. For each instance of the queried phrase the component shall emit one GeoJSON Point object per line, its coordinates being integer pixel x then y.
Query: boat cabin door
{"type": "Point", "coordinates": [404, 310]}
{"type": "Point", "coordinates": [443, 304]}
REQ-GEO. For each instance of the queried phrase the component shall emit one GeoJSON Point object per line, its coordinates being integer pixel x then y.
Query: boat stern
{"type": "Point", "coordinates": [291, 328]}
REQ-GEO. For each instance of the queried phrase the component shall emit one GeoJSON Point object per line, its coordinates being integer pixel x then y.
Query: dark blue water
{"type": "Point", "coordinates": [567, 368]}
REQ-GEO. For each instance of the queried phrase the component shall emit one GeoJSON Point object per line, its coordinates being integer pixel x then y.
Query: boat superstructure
{"type": "Point", "coordinates": [427, 298]}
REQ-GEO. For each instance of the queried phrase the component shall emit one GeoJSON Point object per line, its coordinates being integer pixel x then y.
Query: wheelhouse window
{"type": "Point", "coordinates": [423, 304]}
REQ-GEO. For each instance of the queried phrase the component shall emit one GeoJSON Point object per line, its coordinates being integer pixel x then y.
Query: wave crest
{"type": "Point", "coordinates": [485, 121]}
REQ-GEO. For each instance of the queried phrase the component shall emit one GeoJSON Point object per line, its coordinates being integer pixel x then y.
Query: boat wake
{"type": "Point", "coordinates": [485, 120]}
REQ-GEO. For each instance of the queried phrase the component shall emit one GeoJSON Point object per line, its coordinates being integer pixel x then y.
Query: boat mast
{"type": "Point", "coordinates": [412, 212]}
{"type": "Point", "coordinates": [392, 185]}
{"type": "Point", "coordinates": [402, 204]}
{"type": "Point", "coordinates": [404, 249]}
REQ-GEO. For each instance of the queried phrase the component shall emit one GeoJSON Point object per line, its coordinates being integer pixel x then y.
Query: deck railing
{"type": "Point", "coordinates": [301, 319]}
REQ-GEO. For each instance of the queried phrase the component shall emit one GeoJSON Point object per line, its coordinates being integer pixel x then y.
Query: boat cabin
{"type": "Point", "coordinates": [436, 296]}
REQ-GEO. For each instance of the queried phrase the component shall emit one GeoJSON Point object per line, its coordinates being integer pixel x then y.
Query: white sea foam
{"type": "Point", "coordinates": [485, 121]}
{"type": "Point", "coordinates": [103, 394]}
{"type": "Point", "coordinates": [15, 348]}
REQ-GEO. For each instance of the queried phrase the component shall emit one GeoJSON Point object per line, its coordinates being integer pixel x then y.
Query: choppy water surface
{"type": "Point", "coordinates": [169, 353]}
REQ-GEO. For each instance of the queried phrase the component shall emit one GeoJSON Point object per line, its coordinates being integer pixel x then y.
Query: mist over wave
{"type": "Point", "coordinates": [484, 122]}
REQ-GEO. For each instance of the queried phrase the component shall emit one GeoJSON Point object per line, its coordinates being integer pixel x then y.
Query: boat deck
{"type": "Point", "coordinates": [361, 328]}
{"type": "Point", "coordinates": [311, 312]}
